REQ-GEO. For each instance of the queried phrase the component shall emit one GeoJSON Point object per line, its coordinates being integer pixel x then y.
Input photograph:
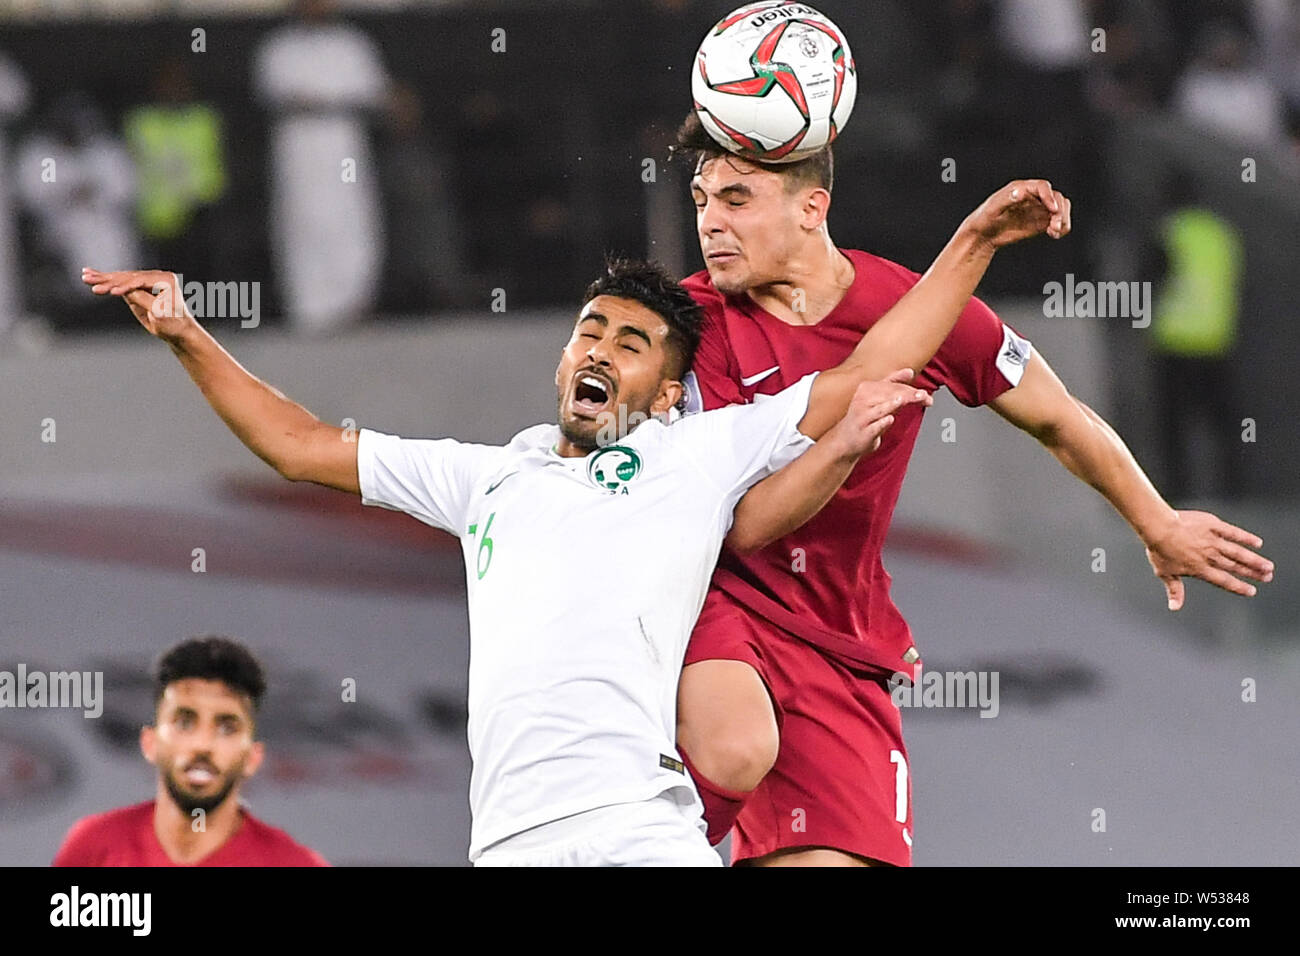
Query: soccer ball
{"type": "Point", "coordinates": [774, 82]}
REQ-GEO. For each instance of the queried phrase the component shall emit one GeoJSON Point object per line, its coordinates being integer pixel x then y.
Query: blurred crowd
{"type": "Point", "coordinates": [424, 214]}
{"type": "Point", "coordinates": [344, 220]}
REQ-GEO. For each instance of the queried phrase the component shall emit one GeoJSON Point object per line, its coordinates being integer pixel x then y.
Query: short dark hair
{"type": "Point", "coordinates": [212, 658]}
{"type": "Point", "coordinates": [650, 284]}
{"type": "Point", "coordinates": [696, 145]}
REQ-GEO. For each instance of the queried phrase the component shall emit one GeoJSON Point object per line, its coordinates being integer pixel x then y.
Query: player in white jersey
{"type": "Point", "coordinates": [584, 688]}
{"type": "Point", "coordinates": [589, 544]}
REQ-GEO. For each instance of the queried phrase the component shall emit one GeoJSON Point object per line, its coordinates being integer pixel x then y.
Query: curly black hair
{"type": "Point", "coordinates": [695, 145]}
{"type": "Point", "coordinates": [650, 284]}
{"type": "Point", "coordinates": [212, 658]}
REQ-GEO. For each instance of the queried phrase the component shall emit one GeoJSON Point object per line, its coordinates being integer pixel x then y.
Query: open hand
{"type": "Point", "coordinates": [1199, 544]}
{"type": "Point", "coordinates": [154, 297]}
{"type": "Point", "coordinates": [871, 412]}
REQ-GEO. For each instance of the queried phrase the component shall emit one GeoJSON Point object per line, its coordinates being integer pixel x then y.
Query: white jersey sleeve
{"type": "Point", "coordinates": [739, 445]}
{"type": "Point", "coordinates": [429, 479]}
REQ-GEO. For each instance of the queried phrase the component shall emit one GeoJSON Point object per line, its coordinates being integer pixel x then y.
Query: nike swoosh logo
{"type": "Point", "coordinates": [755, 379]}
{"type": "Point", "coordinates": [492, 488]}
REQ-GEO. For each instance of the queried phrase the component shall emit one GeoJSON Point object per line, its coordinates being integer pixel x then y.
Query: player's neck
{"type": "Point", "coordinates": [813, 285]}
{"type": "Point", "coordinates": [187, 839]}
{"type": "Point", "coordinates": [567, 449]}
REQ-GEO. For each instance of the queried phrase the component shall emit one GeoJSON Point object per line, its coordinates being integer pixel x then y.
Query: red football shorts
{"type": "Point", "coordinates": [841, 776]}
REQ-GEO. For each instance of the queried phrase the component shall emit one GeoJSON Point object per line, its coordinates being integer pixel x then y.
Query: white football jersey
{"type": "Point", "coordinates": [585, 578]}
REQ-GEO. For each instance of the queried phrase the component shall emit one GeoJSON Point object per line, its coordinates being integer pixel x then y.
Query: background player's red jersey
{"type": "Point", "coordinates": [125, 837]}
{"type": "Point", "coordinates": [746, 351]}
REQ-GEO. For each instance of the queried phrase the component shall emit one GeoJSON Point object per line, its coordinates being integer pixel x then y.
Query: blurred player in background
{"type": "Point", "coordinates": [321, 77]}
{"type": "Point", "coordinates": [207, 692]}
{"type": "Point", "coordinates": [588, 548]}
{"type": "Point", "coordinates": [785, 714]}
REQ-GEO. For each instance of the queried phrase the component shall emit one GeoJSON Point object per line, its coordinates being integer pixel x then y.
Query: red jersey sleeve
{"type": "Point", "coordinates": [981, 358]}
{"type": "Point", "coordinates": [712, 379]}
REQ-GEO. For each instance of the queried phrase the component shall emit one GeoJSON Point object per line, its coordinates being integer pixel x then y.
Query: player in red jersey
{"type": "Point", "coordinates": [202, 742]}
{"type": "Point", "coordinates": [784, 709]}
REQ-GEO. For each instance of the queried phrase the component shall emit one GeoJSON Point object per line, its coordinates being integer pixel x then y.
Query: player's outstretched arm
{"type": "Point", "coordinates": [282, 433]}
{"type": "Point", "coordinates": [909, 334]}
{"type": "Point", "coordinates": [1178, 543]}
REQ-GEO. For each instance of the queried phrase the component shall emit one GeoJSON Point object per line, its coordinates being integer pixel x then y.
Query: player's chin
{"type": "Point", "coordinates": [728, 279]}
{"type": "Point", "coordinates": [580, 431]}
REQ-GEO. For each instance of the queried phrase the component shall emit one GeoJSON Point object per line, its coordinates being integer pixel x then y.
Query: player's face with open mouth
{"type": "Point", "coordinates": [612, 368]}
{"type": "Point", "coordinates": [202, 742]}
{"type": "Point", "coordinates": [748, 223]}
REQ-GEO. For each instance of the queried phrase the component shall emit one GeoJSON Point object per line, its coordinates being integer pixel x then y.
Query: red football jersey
{"type": "Point", "coordinates": [835, 592]}
{"type": "Point", "coordinates": [125, 837]}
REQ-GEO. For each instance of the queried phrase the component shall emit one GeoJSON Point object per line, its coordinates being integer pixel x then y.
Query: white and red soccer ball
{"type": "Point", "coordinates": [774, 81]}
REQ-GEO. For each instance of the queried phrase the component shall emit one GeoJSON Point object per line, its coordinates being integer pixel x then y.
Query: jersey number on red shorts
{"type": "Point", "coordinates": [900, 785]}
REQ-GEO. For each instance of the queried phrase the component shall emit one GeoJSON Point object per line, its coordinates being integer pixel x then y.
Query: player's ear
{"type": "Point", "coordinates": [815, 208]}
{"type": "Point", "coordinates": [670, 393]}
{"type": "Point", "coordinates": [149, 743]}
{"type": "Point", "coordinates": [256, 754]}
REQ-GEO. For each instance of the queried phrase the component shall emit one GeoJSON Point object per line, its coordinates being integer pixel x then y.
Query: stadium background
{"type": "Point", "coordinates": [537, 155]}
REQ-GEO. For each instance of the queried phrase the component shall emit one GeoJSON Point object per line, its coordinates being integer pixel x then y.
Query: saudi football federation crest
{"type": "Point", "coordinates": [612, 467]}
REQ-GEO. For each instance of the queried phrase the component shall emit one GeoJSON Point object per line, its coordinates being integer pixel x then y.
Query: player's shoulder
{"type": "Point", "coordinates": [113, 821]}
{"type": "Point", "coordinates": [276, 844]}
{"type": "Point", "coordinates": [531, 439]}
{"type": "Point", "coordinates": [717, 305]}
{"type": "Point", "coordinates": [89, 835]}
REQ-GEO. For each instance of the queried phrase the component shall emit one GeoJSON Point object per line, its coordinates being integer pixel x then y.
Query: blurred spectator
{"type": "Point", "coordinates": [177, 147]}
{"type": "Point", "coordinates": [1194, 332]}
{"type": "Point", "coordinates": [76, 179]}
{"type": "Point", "coordinates": [14, 95]}
{"type": "Point", "coordinates": [1049, 37]}
{"type": "Point", "coordinates": [1136, 71]}
{"type": "Point", "coordinates": [1224, 93]}
{"type": "Point", "coordinates": [322, 78]}
{"type": "Point", "coordinates": [1045, 52]}
{"type": "Point", "coordinates": [424, 268]}
{"type": "Point", "coordinates": [1278, 23]}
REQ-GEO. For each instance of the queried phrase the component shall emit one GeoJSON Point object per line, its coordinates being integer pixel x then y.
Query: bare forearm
{"type": "Point", "coordinates": [909, 333]}
{"type": "Point", "coordinates": [785, 501]}
{"type": "Point", "coordinates": [1092, 451]}
{"type": "Point", "coordinates": [273, 427]}
{"type": "Point", "coordinates": [914, 329]}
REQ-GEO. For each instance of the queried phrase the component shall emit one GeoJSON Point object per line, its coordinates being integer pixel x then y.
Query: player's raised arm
{"type": "Point", "coordinates": [282, 433]}
{"type": "Point", "coordinates": [1178, 543]}
{"type": "Point", "coordinates": [910, 333]}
